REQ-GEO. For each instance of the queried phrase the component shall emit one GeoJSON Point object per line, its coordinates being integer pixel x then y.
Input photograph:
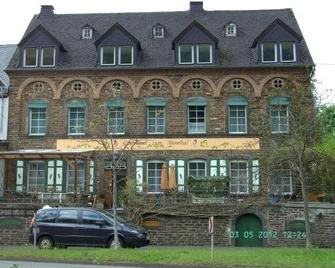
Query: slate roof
{"type": "Point", "coordinates": [157, 53]}
{"type": "Point", "coordinates": [6, 52]}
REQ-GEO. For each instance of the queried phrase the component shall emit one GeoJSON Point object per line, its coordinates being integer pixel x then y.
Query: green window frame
{"type": "Point", "coordinates": [197, 168]}
{"type": "Point", "coordinates": [154, 176]}
{"type": "Point", "coordinates": [197, 115]}
{"type": "Point", "coordinates": [76, 117]}
{"type": "Point", "coordinates": [37, 118]}
{"type": "Point", "coordinates": [36, 176]}
{"type": "Point", "coordinates": [237, 115]}
{"type": "Point", "coordinates": [239, 176]}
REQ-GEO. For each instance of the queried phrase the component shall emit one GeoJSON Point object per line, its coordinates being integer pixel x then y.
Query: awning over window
{"type": "Point", "coordinates": [237, 100]}
{"type": "Point", "coordinates": [197, 101]}
{"type": "Point", "coordinates": [279, 100]}
{"type": "Point", "coordinates": [38, 104]}
{"type": "Point", "coordinates": [117, 103]}
{"type": "Point", "coordinates": [156, 101]}
{"type": "Point", "coordinates": [77, 104]}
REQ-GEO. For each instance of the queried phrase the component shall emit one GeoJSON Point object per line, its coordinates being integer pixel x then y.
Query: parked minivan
{"type": "Point", "coordinates": [63, 227]}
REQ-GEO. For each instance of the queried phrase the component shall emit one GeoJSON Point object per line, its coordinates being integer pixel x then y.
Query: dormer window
{"type": "Point", "coordinates": [204, 53]}
{"type": "Point", "coordinates": [287, 52]}
{"type": "Point", "coordinates": [48, 55]}
{"type": "Point", "coordinates": [269, 52]}
{"type": "Point", "coordinates": [158, 31]}
{"type": "Point", "coordinates": [30, 57]}
{"type": "Point", "coordinates": [107, 55]}
{"type": "Point", "coordinates": [185, 54]}
{"type": "Point", "coordinates": [86, 33]}
{"type": "Point", "coordinates": [231, 29]}
{"type": "Point", "coordinates": [126, 55]}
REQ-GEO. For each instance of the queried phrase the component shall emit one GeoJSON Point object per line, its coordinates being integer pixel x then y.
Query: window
{"type": "Point", "coordinates": [237, 119]}
{"type": "Point", "coordinates": [196, 119]}
{"type": "Point", "coordinates": [107, 55]}
{"type": "Point", "coordinates": [91, 217]}
{"type": "Point", "coordinates": [282, 180]}
{"type": "Point", "coordinates": [80, 177]}
{"type": "Point", "coordinates": [287, 52]}
{"type": "Point", "coordinates": [86, 33]}
{"type": "Point", "coordinates": [279, 115]}
{"type": "Point", "coordinates": [156, 119]}
{"type": "Point", "coordinates": [269, 52]}
{"type": "Point", "coordinates": [185, 54]}
{"type": "Point", "coordinates": [77, 86]}
{"type": "Point", "coordinates": [158, 31]}
{"type": "Point", "coordinates": [46, 215]}
{"type": "Point", "coordinates": [48, 57]}
{"type": "Point", "coordinates": [197, 168]}
{"type": "Point", "coordinates": [76, 121]}
{"type": "Point", "coordinates": [126, 55]}
{"type": "Point", "coordinates": [37, 121]}
{"type": "Point", "coordinates": [231, 29]}
{"type": "Point", "coordinates": [30, 57]}
{"type": "Point", "coordinates": [68, 216]}
{"type": "Point", "coordinates": [239, 179]}
{"type": "Point", "coordinates": [36, 176]}
{"type": "Point", "coordinates": [154, 176]}
{"type": "Point", "coordinates": [116, 120]}
{"type": "Point", "coordinates": [204, 53]}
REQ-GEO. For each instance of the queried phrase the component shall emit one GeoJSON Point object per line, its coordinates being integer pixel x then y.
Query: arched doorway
{"type": "Point", "coordinates": [249, 229]}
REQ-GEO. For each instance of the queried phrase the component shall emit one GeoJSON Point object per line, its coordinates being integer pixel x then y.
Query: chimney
{"type": "Point", "coordinates": [196, 7]}
{"type": "Point", "coordinates": [46, 13]}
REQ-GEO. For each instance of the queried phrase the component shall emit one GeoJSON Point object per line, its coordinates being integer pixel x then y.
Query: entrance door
{"type": "Point", "coordinates": [2, 176]}
{"type": "Point", "coordinates": [249, 228]}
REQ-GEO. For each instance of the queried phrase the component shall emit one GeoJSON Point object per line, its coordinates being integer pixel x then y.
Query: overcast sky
{"type": "Point", "coordinates": [316, 20]}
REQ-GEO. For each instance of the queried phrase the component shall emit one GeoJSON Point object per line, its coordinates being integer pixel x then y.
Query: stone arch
{"type": "Point", "coordinates": [148, 78]}
{"type": "Point", "coordinates": [66, 81]}
{"type": "Point", "coordinates": [110, 78]}
{"type": "Point", "coordinates": [229, 77]}
{"type": "Point", "coordinates": [28, 81]}
{"type": "Point", "coordinates": [190, 77]}
{"type": "Point", "coordinates": [269, 77]}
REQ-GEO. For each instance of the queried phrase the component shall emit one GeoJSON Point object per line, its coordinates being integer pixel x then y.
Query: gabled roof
{"type": "Point", "coordinates": [271, 26]}
{"type": "Point", "coordinates": [40, 27]}
{"type": "Point", "coordinates": [6, 53]}
{"type": "Point", "coordinates": [200, 27]}
{"type": "Point", "coordinates": [123, 30]}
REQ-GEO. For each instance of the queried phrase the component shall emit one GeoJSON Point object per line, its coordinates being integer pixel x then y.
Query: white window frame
{"type": "Point", "coordinates": [132, 55]}
{"type": "Point", "coordinates": [188, 119]}
{"type": "Point", "coordinates": [30, 119]}
{"type": "Point", "coordinates": [294, 53]}
{"type": "Point", "coordinates": [275, 52]}
{"type": "Point", "coordinates": [287, 118]}
{"type": "Point", "coordinates": [124, 120]}
{"type": "Point", "coordinates": [154, 33]}
{"type": "Point", "coordinates": [28, 174]}
{"type": "Point", "coordinates": [147, 178]}
{"type": "Point", "coordinates": [80, 162]}
{"type": "Point", "coordinates": [102, 56]}
{"type": "Point", "coordinates": [54, 57]}
{"type": "Point", "coordinates": [155, 125]}
{"type": "Point", "coordinates": [68, 122]}
{"type": "Point", "coordinates": [281, 184]}
{"type": "Point", "coordinates": [238, 181]}
{"type": "Point", "coordinates": [210, 54]}
{"type": "Point", "coordinates": [86, 33]}
{"type": "Point", "coordinates": [246, 120]}
{"type": "Point", "coordinates": [228, 27]}
{"type": "Point", "coordinates": [196, 161]}
{"type": "Point", "coordinates": [24, 57]}
{"type": "Point", "coordinates": [179, 54]}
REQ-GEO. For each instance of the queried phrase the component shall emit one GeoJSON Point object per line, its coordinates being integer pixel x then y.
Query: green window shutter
{"type": "Point", "coordinates": [197, 101]}
{"type": "Point", "coordinates": [279, 100]}
{"type": "Point", "coordinates": [19, 175]}
{"type": "Point", "coordinates": [222, 167]}
{"type": "Point", "coordinates": [156, 101]}
{"type": "Point", "coordinates": [218, 167]}
{"type": "Point", "coordinates": [77, 104]}
{"type": "Point", "coordinates": [180, 172]}
{"type": "Point", "coordinates": [60, 186]}
{"type": "Point", "coordinates": [92, 176]}
{"type": "Point", "coordinates": [51, 176]}
{"type": "Point", "coordinates": [139, 165]}
{"type": "Point", "coordinates": [116, 103]}
{"type": "Point", "coordinates": [237, 100]}
{"type": "Point", "coordinates": [213, 168]}
{"type": "Point", "coordinates": [255, 175]}
{"type": "Point", "coordinates": [38, 104]}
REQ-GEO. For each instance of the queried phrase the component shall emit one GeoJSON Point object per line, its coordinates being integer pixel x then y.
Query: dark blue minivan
{"type": "Point", "coordinates": [63, 227]}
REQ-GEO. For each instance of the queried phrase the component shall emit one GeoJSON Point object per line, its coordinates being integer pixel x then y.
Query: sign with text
{"type": "Point", "coordinates": [173, 144]}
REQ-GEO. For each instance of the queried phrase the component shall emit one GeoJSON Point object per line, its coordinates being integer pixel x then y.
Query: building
{"type": "Point", "coordinates": [187, 86]}
{"type": "Point", "coordinates": [6, 52]}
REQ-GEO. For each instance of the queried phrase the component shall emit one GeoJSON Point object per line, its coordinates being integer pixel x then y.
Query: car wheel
{"type": "Point", "coordinates": [111, 243]}
{"type": "Point", "coordinates": [45, 242]}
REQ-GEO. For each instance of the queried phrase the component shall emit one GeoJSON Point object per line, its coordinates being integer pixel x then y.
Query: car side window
{"type": "Point", "coordinates": [46, 215]}
{"type": "Point", "coordinates": [68, 216]}
{"type": "Point", "coordinates": [90, 217]}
